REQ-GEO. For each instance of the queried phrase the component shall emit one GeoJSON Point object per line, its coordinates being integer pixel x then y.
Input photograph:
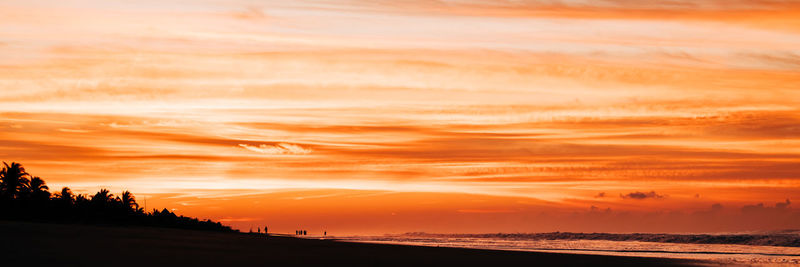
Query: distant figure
{"type": "Point", "coordinates": [304, 232]}
{"type": "Point", "coordinates": [265, 230]}
{"type": "Point", "coordinates": [258, 229]}
{"type": "Point", "coordinates": [325, 233]}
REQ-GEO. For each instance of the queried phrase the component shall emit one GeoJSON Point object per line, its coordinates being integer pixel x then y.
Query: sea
{"type": "Point", "coordinates": [724, 254]}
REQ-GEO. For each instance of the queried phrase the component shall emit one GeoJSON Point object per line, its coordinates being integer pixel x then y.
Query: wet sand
{"type": "Point", "coordinates": [36, 244]}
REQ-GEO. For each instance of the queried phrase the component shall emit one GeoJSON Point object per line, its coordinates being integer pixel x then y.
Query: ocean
{"type": "Point", "coordinates": [756, 255]}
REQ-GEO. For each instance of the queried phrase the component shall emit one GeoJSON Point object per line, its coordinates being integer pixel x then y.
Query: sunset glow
{"type": "Point", "coordinates": [366, 117]}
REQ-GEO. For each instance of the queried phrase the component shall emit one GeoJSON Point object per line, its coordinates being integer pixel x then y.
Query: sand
{"type": "Point", "coordinates": [36, 244]}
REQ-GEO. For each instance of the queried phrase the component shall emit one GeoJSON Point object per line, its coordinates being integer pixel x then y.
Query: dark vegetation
{"type": "Point", "coordinates": [27, 198]}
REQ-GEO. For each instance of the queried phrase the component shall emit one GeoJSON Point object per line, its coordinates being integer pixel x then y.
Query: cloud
{"type": "Point", "coordinates": [72, 130]}
{"type": "Point", "coordinates": [279, 149]}
{"type": "Point", "coordinates": [760, 208]}
{"type": "Point", "coordinates": [485, 211]}
{"type": "Point", "coordinates": [250, 13]}
{"type": "Point", "coordinates": [238, 219]}
{"type": "Point", "coordinates": [716, 207]}
{"type": "Point", "coordinates": [641, 195]}
{"type": "Point", "coordinates": [753, 208]}
{"type": "Point", "coordinates": [594, 208]}
{"type": "Point", "coordinates": [788, 61]}
{"type": "Point", "coordinates": [782, 205]}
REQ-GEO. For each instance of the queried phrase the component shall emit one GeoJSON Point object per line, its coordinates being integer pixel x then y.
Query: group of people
{"type": "Point", "coordinates": [296, 232]}
{"type": "Point", "coordinates": [304, 232]}
{"type": "Point", "coordinates": [259, 230]}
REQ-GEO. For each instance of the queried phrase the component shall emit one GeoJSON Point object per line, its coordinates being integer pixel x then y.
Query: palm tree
{"type": "Point", "coordinates": [65, 196]}
{"type": "Point", "coordinates": [129, 201]}
{"type": "Point", "coordinates": [81, 199]}
{"type": "Point", "coordinates": [13, 179]}
{"type": "Point", "coordinates": [102, 197]}
{"type": "Point", "coordinates": [38, 189]}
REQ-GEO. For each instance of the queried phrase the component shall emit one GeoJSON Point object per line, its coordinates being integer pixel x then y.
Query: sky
{"type": "Point", "coordinates": [371, 117]}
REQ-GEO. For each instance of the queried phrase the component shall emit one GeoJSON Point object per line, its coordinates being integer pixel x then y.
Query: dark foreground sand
{"type": "Point", "coordinates": [37, 244]}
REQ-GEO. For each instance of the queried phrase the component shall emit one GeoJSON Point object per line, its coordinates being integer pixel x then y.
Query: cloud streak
{"type": "Point", "coordinates": [279, 149]}
{"type": "Point", "coordinates": [510, 102]}
{"type": "Point", "coordinates": [641, 195]}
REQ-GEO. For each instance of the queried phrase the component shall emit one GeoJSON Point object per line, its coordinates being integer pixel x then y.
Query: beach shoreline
{"type": "Point", "coordinates": [91, 245]}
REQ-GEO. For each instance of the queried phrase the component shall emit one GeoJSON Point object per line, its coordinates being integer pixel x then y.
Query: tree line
{"type": "Point", "coordinates": [27, 197]}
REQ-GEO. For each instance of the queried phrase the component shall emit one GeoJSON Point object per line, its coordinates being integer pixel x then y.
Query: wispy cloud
{"type": "Point", "coordinates": [641, 195]}
{"type": "Point", "coordinates": [559, 103]}
{"type": "Point", "coordinates": [486, 211]}
{"type": "Point", "coordinates": [279, 149]}
{"type": "Point", "coordinates": [238, 219]}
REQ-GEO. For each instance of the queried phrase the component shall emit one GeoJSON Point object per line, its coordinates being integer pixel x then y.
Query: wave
{"type": "Point", "coordinates": [787, 238]}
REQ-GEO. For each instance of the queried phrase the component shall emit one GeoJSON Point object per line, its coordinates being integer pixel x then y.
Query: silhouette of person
{"type": "Point", "coordinates": [304, 232]}
{"type": "Point", "coordinates": [265, 230]}
{"type": "Point", "coordinates": [325, 234]}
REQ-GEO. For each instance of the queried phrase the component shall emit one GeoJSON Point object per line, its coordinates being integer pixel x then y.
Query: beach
{"type": "Point", "coordinates": [33, 244]}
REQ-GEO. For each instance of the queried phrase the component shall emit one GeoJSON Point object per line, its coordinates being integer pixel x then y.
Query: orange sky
{"type": "Point", "coordinates": [365, 117]}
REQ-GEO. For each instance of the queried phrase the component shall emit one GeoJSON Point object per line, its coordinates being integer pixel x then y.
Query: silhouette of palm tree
{"type": "Point", "coordinates": [23, 196]}
{"type": "Point", "coordinates": [13, 180]}
{"type": "Point", "coordinates": [81, 198]}
{"type": "Point", "coordinates": [102, 198]}
{"type": "Point", "coordinates": [129, 201]}
{"type": "Point", "coordinates": [38, 189]}
{"type": "Point", "coordinates": [65, 196]}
